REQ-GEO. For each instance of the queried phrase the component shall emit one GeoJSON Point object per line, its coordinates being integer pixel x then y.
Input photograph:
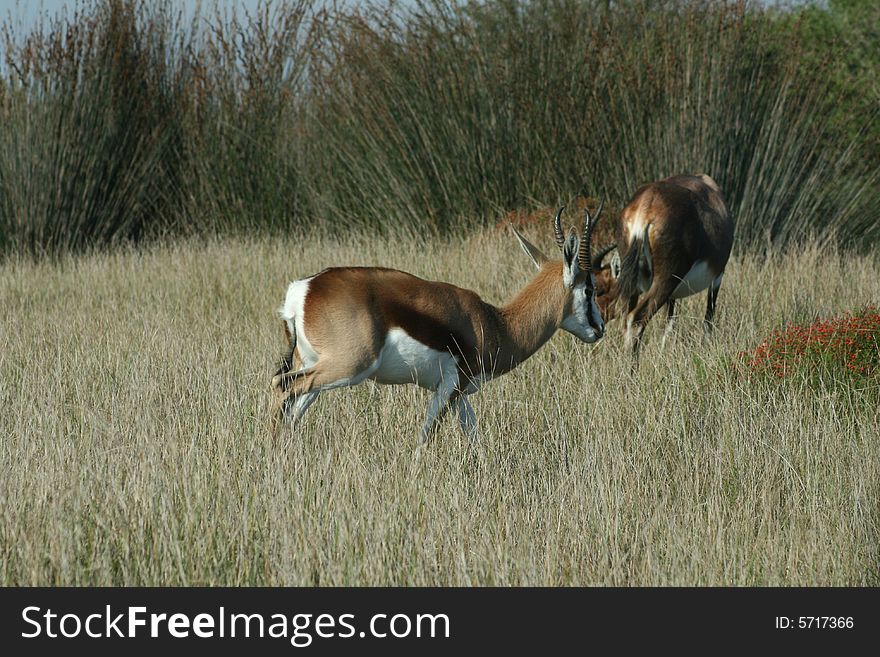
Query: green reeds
{"type": "Point", "coordinates": [128, 120]}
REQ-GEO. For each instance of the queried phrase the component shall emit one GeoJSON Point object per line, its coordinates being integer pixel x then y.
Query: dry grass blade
{"type": "Point", "coordinates": [135, 387]}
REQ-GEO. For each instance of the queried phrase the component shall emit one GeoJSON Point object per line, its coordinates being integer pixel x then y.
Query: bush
{"type": "Point", "coordinates": [848, 345]}
{"type": "Point", "coordinates": [89, 151]}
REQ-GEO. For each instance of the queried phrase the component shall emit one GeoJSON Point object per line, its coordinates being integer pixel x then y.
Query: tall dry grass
{"type": "Point", "coordinates": [133, 450]}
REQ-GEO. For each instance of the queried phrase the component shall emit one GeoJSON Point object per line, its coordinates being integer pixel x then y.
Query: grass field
{"type": "Point", "coordinates": [133, 447]}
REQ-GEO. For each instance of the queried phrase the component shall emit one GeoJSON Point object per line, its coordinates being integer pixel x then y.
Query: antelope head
{"type": "Point", "coordinates": [607, 288]}
{"type": "Point", "coordinates": [580, 314]}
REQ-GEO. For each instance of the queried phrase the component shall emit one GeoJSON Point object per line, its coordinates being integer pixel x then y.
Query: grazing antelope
{"type": "Point", "coordinates": [346, 325]}
{"type": "Point", "coordinates": [673, 240]}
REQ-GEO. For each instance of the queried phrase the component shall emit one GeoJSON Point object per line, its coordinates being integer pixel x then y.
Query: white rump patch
{"type": "Point", "coordinates": [636, 226]}
{"type": "Point", "coordinates": [293, 312]}
{"type": "Point", "coordinates": [404, 359]}
{"type": "Point", "coordinates": [696, 280]}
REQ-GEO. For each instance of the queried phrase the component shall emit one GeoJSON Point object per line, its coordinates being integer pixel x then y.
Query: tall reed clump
{"type": "Point", "coordinates": [90, 140]}
{"type": "Point", "coordinates": [246, 162]}
{"type": "Point", "coordinates": [448, 109]}
{"type": "Point", "coordinates": [128, 120]}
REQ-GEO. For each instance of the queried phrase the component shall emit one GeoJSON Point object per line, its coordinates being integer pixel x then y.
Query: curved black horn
{"type": "Point", "coordinates": [557, 228]}
{"type": "Point", "coordinates": [585, 260]}
{"type": "Point", "coordinates": [604, 251]}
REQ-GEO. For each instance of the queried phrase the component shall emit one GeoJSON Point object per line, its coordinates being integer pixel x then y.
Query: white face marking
{"type": "Point", "coordinates": [404, 359]}
{"type": "Point", "coordinates": [568, 274]}
{"type": "Point", "coordinates": [582, 308]}
{"type": "Point", "coordinates": [696, 280]}
{"type": "Point", "coordinates": [293, 312]}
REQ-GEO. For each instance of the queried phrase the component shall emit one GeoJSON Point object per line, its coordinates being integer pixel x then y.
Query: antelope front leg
{"type": "Point", "coordinates": [289, 409]}
{"type": "Point", "coordinates": [649, 303]}
{"type": "Point", "coordinates": [438, 407]}
{"type": "Point", "coordinates": [467, 419]}
{"type": "Point", "coordinates": [670, 322]}
{"type": "Point", "coordinates": [711, 299]}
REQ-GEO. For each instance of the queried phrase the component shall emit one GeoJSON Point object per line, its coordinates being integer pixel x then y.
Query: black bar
{"type": "Point", "coordinates": [519, 619]}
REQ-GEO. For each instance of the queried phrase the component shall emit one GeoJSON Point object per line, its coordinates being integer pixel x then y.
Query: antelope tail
{"type": "Point", "coordinates": [287, 359]}
{"type": "Point", "coordinates": [630, 265]}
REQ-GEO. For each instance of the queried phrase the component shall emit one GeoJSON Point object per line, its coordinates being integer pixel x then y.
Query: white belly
{"type": "Point", "coordinates": [404, 359]}
{"type": "Point", "coordinates": [699, 278]}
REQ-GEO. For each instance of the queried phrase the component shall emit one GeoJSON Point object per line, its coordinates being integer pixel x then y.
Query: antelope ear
{"type": "Point", "coordinates": [615, 264]}
{"type": "Point", "coordinates": [570, 266]}
{"type": "Point", "coordinates": [531, 250]}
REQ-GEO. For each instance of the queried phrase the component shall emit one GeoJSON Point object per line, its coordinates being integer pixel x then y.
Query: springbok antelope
{"type": "Point", "coordinates": [673, 240]}
{"type": "Point", "coordinates": [346, 325]}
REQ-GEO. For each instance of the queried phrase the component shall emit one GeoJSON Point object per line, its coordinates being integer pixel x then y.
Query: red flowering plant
{"type": "Point", "coordinates": [849, 345]}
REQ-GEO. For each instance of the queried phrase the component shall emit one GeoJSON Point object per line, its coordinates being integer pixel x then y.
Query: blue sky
{"type": "Point", "coordinates": [28, 12]}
